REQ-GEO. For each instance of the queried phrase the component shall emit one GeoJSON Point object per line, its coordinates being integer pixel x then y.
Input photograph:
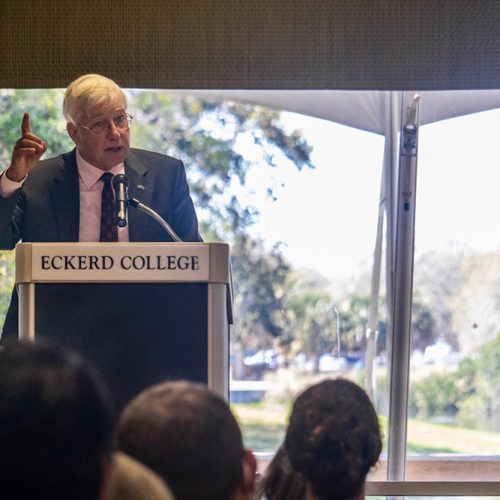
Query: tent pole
{"type": "Point", "coordinates": [372, 323]}
{"type": "Point", "coordinates": [403, 281]}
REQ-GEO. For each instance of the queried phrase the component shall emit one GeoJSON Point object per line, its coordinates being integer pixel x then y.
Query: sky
{"type": "Point", "coordinates": [458, 182]}
{"type": "Point", "coordinates": [327, 217]}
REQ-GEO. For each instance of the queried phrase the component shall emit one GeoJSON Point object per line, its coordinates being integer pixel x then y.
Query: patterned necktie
{"type": "Point", "coordinates": [109, 231]}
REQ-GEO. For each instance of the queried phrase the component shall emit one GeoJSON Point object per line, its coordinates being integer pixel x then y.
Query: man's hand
{"type": "Point", "coordinates": [27, 151]}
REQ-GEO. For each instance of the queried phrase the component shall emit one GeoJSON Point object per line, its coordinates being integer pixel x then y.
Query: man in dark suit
{"type": "Point", "coordinates": [59, 200]}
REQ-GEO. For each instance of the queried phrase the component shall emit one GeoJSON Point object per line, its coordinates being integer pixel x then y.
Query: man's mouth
{"type": "Point", "coordinates": [115, 149]}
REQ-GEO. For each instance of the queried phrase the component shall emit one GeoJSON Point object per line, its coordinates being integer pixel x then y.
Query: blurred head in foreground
{"type": "Point", "coordinates": [188, 435]}
{"type": "Point", "coordinates": [132, 480]}
{"type": "Point", "coordinates": [55, 425]}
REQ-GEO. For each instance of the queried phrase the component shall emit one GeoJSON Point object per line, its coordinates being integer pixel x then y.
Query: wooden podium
{"type": "Point", "coordinates": [141, 313]}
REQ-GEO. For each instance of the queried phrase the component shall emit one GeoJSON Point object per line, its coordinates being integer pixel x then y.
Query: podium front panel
{"type": "Point", "coordinates": [135, 334]}
{"type": "Point", "coordinates": [141, 313]}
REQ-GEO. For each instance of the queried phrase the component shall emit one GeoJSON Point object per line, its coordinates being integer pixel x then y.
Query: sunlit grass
{"type": "Point", "coordinates": [263, 426]}
{"type": "Point", "coordinates": [452, 439]}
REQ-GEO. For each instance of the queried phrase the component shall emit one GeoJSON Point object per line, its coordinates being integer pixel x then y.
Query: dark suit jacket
{"type": "Point", "coordinates": [47, 207]}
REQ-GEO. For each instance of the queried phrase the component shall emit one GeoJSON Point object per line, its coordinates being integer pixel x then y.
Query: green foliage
{"type": "Point", "coordinates": [207, 135]}
{"type": "Point", "coordinates": [481, 380]}
{"type": "Point", "coordinates": [471, 392]}
{"type": "Point", "coordinates": [488, 366]}
{"type": "Point", "coordinates": [435, 395]}
{"type": "Point", "coordinates": [419, 449]}
{"type": "Point", "coordinates": [310, 318]}
{"type": "Point", "coordinates": [423, 331]}
{"type": "Point", "coordinates": [6, 281]}
{"type": "Point", "coordinates": [353, 320]}
{"type": "Point", "coordinates": [259, 278]}
{"type": "Point", "coordinates": [263, 435]}
{"type": "Point", "coordinates": [44, 107]}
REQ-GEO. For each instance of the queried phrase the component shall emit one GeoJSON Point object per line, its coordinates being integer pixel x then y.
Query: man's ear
{"type": "Point", "coordinates": [249, 465]}
{"type": "Point", "coordinates": [72, 130]}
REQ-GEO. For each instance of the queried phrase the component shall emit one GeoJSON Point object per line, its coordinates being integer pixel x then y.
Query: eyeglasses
{"type": "Point", "coordinates": [122, 122]}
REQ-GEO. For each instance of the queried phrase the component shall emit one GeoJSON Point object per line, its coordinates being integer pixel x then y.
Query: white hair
{"type": "Point", "coordinates": [87, 92]}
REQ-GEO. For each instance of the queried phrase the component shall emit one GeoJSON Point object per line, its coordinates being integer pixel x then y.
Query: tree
{"type": "Point", "coordinates": [6, 281]}
{"type": "Point", "coordinates": [485, 400]}
{"type": "Point", "coordinates": [438, 278]}
{"type": "Point", "coordinates": [472, 390]}
{"type": "Point", "coordinates": [44, 107]}
{"type": "Point", "coordinates": [423, 331]}
{"type": "Point", "coordinates": [310, 317]}
{"type": "Point", "coordinates": [259, 279]}
{"type": "Point", "coordinates": [207, 136]}
{"type": "Point", "coordinates": [353, 311]}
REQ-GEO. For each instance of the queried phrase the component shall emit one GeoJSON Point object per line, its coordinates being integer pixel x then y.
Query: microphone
{"type": "Point", "coordinates": [120, 185]}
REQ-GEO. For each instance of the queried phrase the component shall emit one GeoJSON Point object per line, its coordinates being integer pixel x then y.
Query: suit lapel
{"type": "Point", "coordinates": [65, 195]}
{"type": "Point", "coordinates": [138, 188]}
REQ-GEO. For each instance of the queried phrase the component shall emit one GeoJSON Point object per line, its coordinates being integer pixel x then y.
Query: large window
{"type": "Point", "coordinates": [454, 349]}
{"type": "Point", "coordinates": [455, 360]}
{"type": "Point", "coordinates": [325, 220]}
{"type": "Point", "coordinates": [310, 207]}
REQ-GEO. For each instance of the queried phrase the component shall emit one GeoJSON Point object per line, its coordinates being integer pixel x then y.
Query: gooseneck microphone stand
{"type": "Point", "coordinates": [143, 208]}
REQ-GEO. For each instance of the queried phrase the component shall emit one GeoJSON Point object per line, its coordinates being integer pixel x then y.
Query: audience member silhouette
{"type": "Point", "coordinates": [55, 426]}
{"type": "Point", "coordinates": [280, 480]}
{"type": "Point", "coordinates": [188, 435]}
{"type": "Point", "coordinates": [333, 439]}
{"type": "Point", "coordinates": [132, 480]}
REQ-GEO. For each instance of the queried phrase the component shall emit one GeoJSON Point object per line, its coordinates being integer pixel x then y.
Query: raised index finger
{"type": "Point", "coordinates": [25, 126]}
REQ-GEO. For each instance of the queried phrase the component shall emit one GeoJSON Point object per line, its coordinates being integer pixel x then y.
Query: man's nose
{"type": "Point", "coordinates": [113, 130]}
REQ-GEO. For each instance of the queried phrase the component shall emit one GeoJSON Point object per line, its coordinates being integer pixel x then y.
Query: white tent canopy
{"type": "Point", "coordinates": [366, 110]}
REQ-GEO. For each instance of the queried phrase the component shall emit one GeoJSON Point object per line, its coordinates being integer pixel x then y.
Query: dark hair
{"type": "Point", "coordinates": [333, 438]}
{"type": "Point", "coordinates": [188, 435]}
{"type": "Point", "coordinates": [280, 480]}
{"type": "Point", "coordinates": [55, 425]}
